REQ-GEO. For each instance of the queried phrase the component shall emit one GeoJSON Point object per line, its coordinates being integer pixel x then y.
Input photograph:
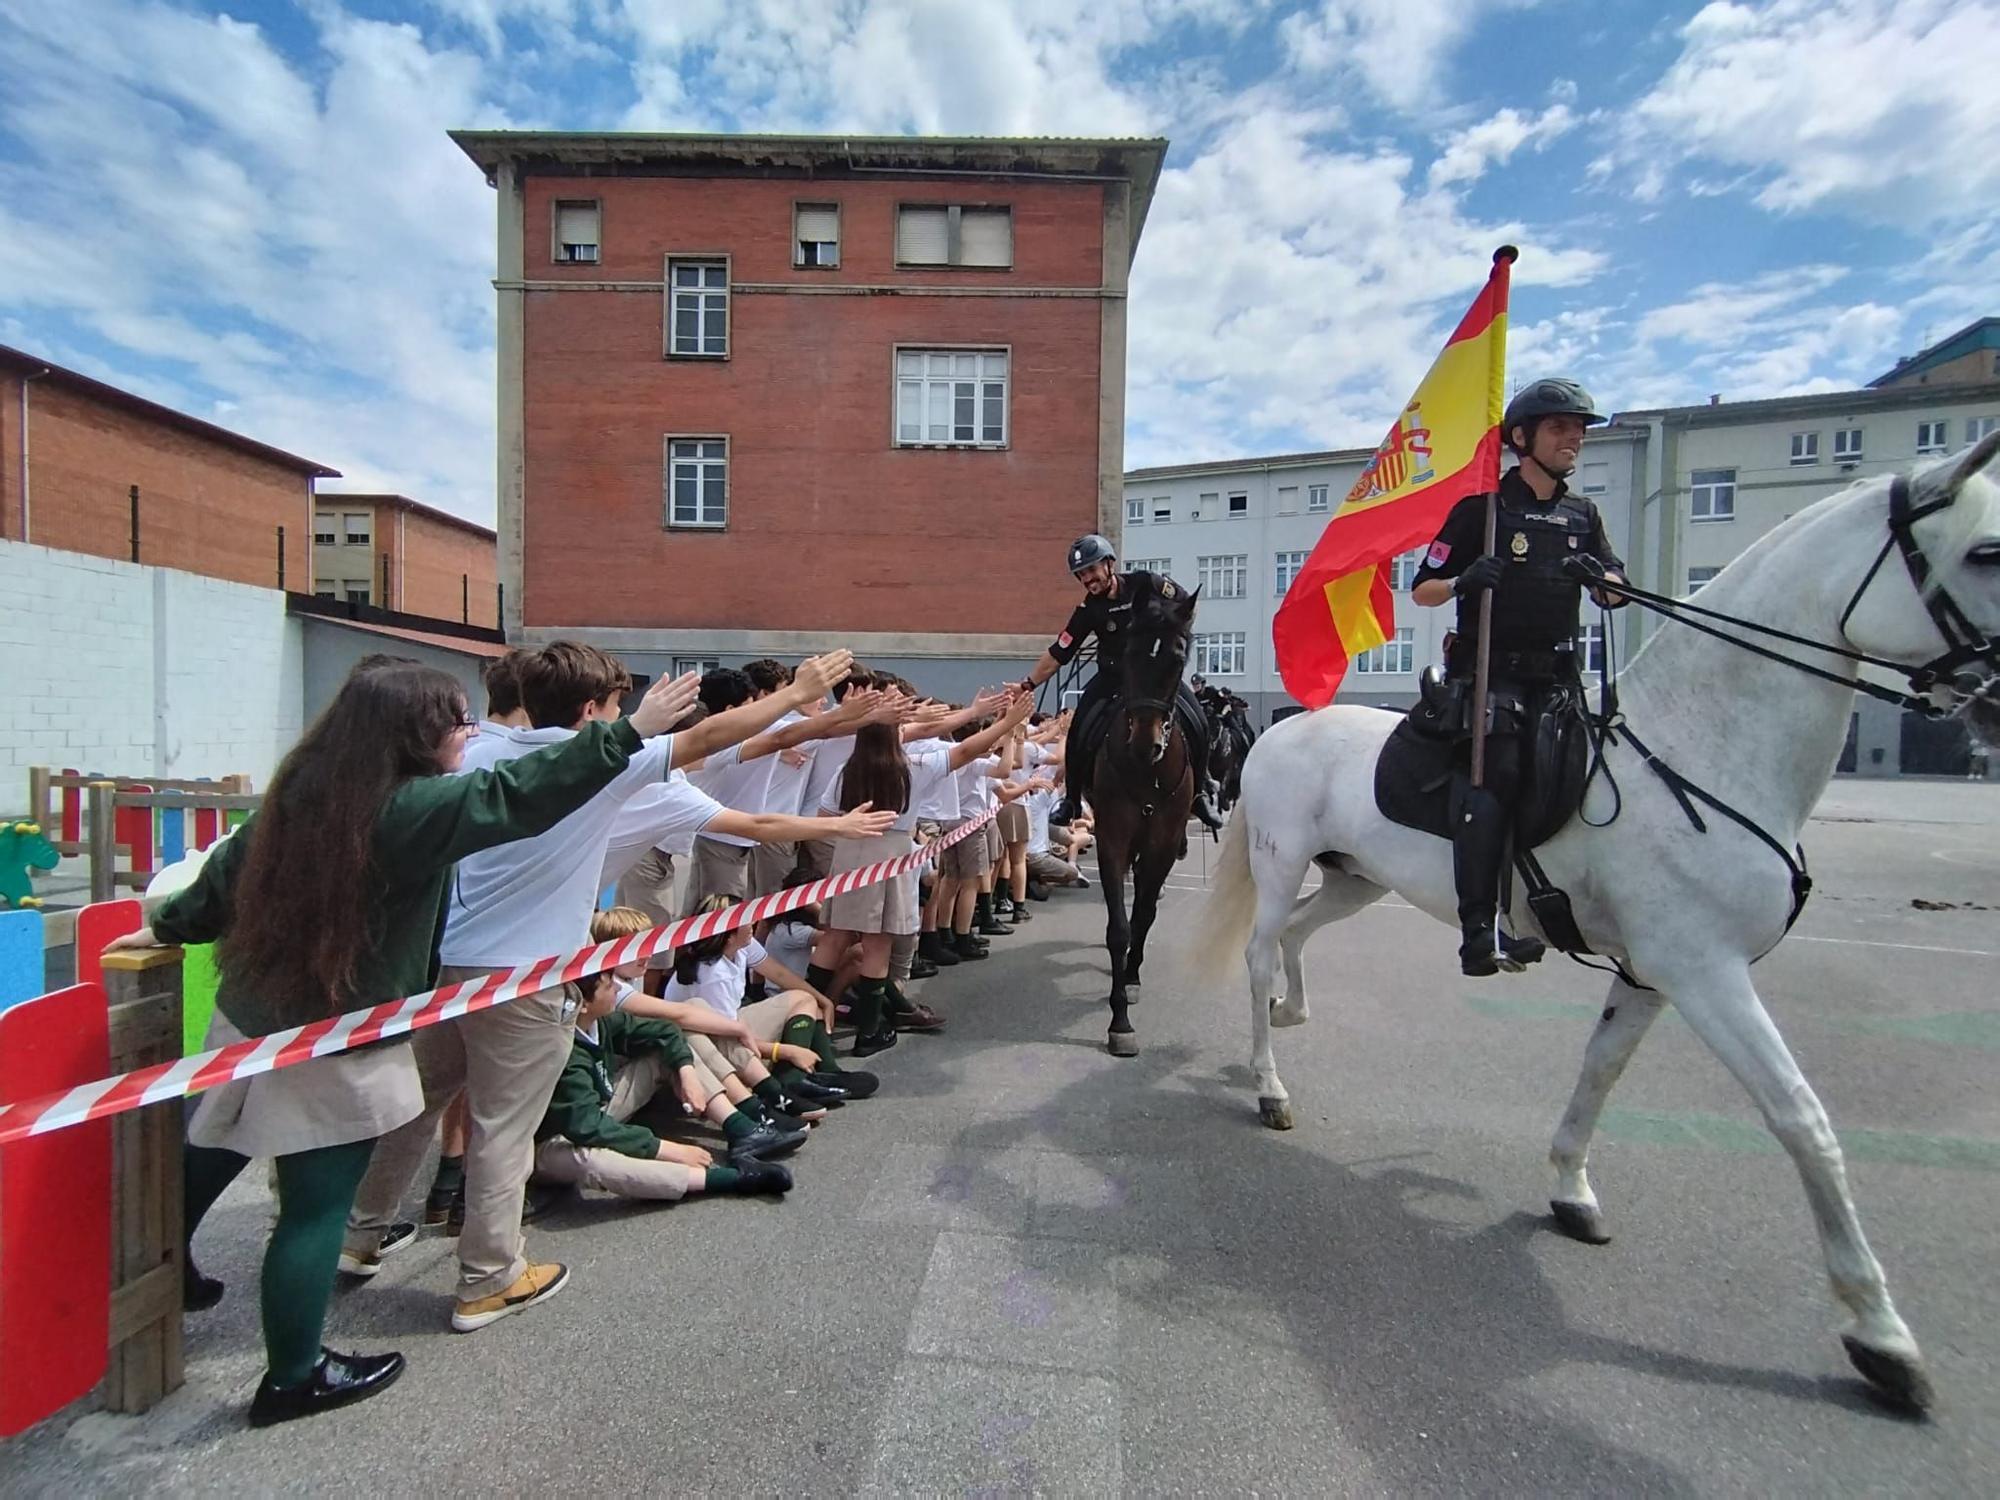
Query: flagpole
{"type": "Point", "coordinates": [1482, 664]}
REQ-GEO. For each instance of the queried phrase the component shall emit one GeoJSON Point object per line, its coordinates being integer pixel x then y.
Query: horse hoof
{"type": "Point", "coordinates": [1122, 1043]}
{"type": "Point", "coordinates": [1274, 1114]}
{"type": "Point", "coordinates": [1580, 1221]}
{"type": "Point", "coordinates": [1132, 980]}
{"type": "Point", "coordinates": [1899, 1379]}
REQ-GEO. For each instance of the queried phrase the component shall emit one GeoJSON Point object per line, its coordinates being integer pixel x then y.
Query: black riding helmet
{"type": "Point", "coordinates": [1553, 397]}
{"type": "Point", "coordinates": [1087, 550]}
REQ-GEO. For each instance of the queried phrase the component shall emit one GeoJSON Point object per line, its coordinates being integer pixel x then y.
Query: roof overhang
{"type": "Point", "coordinates": [1137, 161]}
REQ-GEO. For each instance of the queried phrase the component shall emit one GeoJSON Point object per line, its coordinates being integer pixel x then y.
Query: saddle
{"type": "Point", "coordinates": [1413, 774]}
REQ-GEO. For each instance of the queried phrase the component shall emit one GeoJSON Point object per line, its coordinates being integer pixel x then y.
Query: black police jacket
{"type": "Point", "coordinates": [1535, 605]}
{"type": "Point", "coordinates": [1110, 620]}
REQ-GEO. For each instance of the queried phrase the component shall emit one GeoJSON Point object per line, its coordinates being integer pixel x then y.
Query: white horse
{"type": "Point", "coordinates": [1686, 911]}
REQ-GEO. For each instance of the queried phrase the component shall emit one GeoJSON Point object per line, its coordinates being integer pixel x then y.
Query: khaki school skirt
{"type": "Point", "coordinates": [888, 905]}
{"type": "Point", "coordinates": [351, 1096]}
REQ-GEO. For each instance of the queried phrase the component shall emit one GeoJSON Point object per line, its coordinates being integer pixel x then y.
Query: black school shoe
{"type": "Point", "coordinates": [922, 967]}
{"type": "Point", "coordinates": [966, 946]}
{"type": "Point", "coordinates": [879, 1040]}
{"type": "Point", "coordinates": [858, 1084]}
{"type": "Point", "coordinates": [818, 1091]}
{"type": "Point", "coordinates": [769, 1139]}
{"type": "Point", "coordinates": [337, 1380]}
{"type": "Point", "coordinates": [198, 1292]}
{"type": "Point", "coordinates": [755, 1177]}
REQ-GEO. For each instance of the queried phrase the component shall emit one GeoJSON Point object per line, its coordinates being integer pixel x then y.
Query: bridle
{"type": "Point", "coordinates": [1939, 687]}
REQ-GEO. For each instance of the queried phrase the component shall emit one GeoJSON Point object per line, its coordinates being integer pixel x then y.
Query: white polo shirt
{"type": "Point", "coordinates": [975, 785]}
{"type": "Point", "coordinates": [665, 816]}
{"type": "Point", "coordinates": [1039, 804]}
{"type": "Point", "coordinates": [735, 782]}
{"type": "Point", "coordinates": [533, 897]}
{"type": "Point", "coordinates": [787, 782]}
{"type": "Point", "coordinates": [938, 802]}
{"type": "Point", "coordinates": [719, 985]}
{"type": "Point", "coordinates": [830, 758]}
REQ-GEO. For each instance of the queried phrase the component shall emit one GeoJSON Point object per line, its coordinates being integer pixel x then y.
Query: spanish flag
{"type": "Point", "coordinates": [1444, 446]}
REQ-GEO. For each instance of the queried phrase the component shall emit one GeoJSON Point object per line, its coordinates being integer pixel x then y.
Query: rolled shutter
{"type": "Point", "coordinates": [923, 236]}
{"type": "Point", "coordinates": [985, 237]}
{"type": "Point", "coordinates": [576, 224]}
{"type": "Point", "coordinates": [819, 225]}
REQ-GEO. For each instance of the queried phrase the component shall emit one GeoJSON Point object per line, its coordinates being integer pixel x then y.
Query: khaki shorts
{"type": "Point", "coordinates": [1013, 821]}
{"type": "Point", "coordinates": [968, 859]}
{"type": "Point", "coordinates": [769, 865]}
{"type": "Point", "coordinates": [718, 869]}
{"type": "Point", "coordinates": [1052, 869]}
{"type": "Point", "coordinates": [817, 856]}
{"type": "Point", "coordinates": [888, 905]}
{"type": "Point", "coordinates": [993, 841]}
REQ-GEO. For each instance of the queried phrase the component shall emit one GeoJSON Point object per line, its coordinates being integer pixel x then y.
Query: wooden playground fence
{"type": "Point", "coordinates": [151, 822]}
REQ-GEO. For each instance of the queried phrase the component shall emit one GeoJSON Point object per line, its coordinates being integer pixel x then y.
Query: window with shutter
{"type": "Point", "coordinates": [985, 237]}
{"type": "Point", "coordinates": [923, 236]}
{"type": "Point", "coordinates": [816, 235]}
{"type": "Point", "coordinates": [577, 229]}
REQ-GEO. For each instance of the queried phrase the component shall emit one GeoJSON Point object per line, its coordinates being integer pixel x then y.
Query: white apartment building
{"type": "Point", "coordinates": [1242, 528]}
{"type": "Point", "coordinates": [1683, 490]}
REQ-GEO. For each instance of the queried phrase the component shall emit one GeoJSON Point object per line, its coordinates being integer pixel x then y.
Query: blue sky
{"type": "Point", "coordinates": [252, 212]}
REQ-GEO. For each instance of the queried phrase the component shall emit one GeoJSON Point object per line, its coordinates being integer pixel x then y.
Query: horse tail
{"type": "Point", "coordinates": [1223, 930]}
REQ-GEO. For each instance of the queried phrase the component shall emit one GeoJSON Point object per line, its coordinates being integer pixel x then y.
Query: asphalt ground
{"type": "Point", "coordinates": [1028, 1266]}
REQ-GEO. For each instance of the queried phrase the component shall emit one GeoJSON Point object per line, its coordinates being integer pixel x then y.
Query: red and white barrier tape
{"type": "Point", "coordinates": [297, 1044]}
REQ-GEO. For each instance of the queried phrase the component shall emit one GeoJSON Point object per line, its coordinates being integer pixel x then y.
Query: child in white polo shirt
{"type": "Point", "coordinates": [513, 905]}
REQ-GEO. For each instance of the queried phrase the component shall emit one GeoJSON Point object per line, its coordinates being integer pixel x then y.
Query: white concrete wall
{"type": "Point", "coordinates": [132, 670]}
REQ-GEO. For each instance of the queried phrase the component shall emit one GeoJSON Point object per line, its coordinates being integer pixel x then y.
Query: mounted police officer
{"type": "Point", "coordinates": [1549, 545]}
{"type": "Point", "coordinates": [1110, 598]}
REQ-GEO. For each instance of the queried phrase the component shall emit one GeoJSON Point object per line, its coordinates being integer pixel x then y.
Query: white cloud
{"type": "Point", "coordinates": [1398, 48]}
{"type": "Point", "coordinates": [1722, 314]}
{"type": "Point", "coordinates": [1494, 141]}
{"type": "Point", "coordinates": [1881, 109]}
{"type": "Point", "coordinates": [191, 196]}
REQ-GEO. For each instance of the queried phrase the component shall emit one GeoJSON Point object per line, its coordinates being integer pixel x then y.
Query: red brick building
{"type": "Point", "coordinates": [82, 464]}
{"type": "Point", "coordinates": [394, 553]}
{"type": "Point", "coordinates": [760, 394]}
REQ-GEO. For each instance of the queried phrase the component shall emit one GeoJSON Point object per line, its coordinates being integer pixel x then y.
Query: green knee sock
{"type": "Point", "coordinates": [315, 1191]}
{"type": "Point", "coordinates": [821, 980]}
{"type": "Point", "coordinates": [451, 1174]}
{"type": "Point", "coordinates": [767, 1093]}
{"type": "Point", "coordinates": [737, 1125]}
{"type": "Point", "coordinates": [822, 1045]}
{"type": "Point", "coordinates": [724, 1179]}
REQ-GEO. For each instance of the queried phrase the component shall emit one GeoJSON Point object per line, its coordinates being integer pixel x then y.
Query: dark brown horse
{"type": "Point", "coordinates": [1141, 790]}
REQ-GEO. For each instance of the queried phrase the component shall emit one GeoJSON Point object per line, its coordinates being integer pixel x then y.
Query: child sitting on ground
{"type": "Point", "coordinates": [791, 1028]}
{"type": "Point", "coordinates": [588, 1137]}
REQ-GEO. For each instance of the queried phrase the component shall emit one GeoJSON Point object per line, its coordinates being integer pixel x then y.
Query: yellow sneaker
{"type": "Point", "coordinates": [536, 1284]}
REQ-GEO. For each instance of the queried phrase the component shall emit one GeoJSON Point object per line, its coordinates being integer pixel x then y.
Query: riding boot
{"type": "Point", "coordinates": [1478, 844]}
{"type": "Point", "coordinates": [1204, 805]}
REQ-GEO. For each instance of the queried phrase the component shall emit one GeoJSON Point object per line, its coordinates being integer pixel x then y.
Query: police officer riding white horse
{"type": "Point", "coordinates": [1551, 544]}
{"type": "Point", "coordinates": [1110, 601]}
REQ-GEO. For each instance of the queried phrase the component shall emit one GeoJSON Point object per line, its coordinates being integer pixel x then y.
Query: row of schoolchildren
{"type": "Point", "coordinates": [405, 844]}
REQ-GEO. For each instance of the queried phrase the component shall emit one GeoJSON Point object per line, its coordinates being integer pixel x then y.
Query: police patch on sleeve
{"type": "Point", "coordinates": [1167, 588]}
{"type": "Point", "coordinates": [1439, 554]}
{"type": "Point", "coordinates": [1063, 640]}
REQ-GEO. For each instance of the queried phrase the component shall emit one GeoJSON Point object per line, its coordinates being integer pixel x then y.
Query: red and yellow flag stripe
{"type": "Point", "coordinates": [1444, 446]}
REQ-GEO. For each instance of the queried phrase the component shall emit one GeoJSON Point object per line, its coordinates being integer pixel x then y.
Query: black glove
{"type": "Point", "coordinates": [1581, 567]}
{"type": "Point", "coordinates": [1481, 574]}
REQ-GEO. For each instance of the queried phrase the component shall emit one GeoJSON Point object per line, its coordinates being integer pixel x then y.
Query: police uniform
{"type": "Point", "coordinates": [1533, 649]}
{"type": "Point", "coordinates": [1110, 621]}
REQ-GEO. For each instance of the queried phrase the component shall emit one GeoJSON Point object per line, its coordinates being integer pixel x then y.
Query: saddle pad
{"type": "Point", "coordinates": [1413, 781]}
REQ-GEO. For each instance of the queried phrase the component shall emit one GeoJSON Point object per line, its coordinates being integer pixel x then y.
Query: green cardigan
{"type": "Point", "coordinates": [578, 1108]}
{"type": "Point", "coordinates": [426, 826]}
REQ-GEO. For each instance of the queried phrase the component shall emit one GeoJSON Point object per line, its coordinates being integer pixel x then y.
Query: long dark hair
{"type": "Point", "coordinates": [689, 957]}
{"type": "Point", "coordinates": [877, 771]}
{"type": "Point", "coordinates": [300, 921]}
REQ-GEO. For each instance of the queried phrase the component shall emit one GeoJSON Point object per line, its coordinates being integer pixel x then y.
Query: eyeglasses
{"type": "Point", "coordinates": [468, 722]}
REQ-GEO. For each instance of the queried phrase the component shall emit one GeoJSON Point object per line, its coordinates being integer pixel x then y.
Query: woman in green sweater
{"type": "Point", "coordinates": [331, 897]}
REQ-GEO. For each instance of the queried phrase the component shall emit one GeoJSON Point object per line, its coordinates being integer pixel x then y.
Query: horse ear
{"type": "Point", "coordinates": [1187, 600]}
{"type": "Point", "coordinates": [1975, 458]}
